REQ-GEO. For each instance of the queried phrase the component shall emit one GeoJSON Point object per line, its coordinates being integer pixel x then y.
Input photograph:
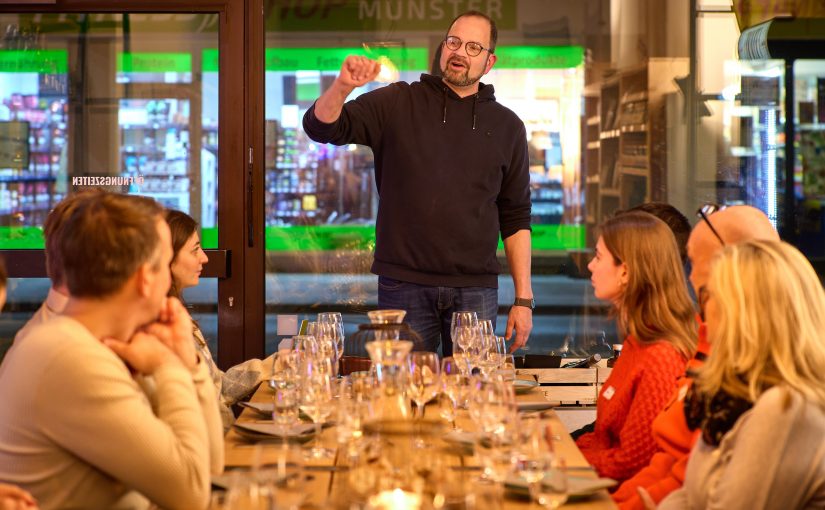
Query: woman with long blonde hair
{"type": "Point", "coordinates": [637, 268]}
{"type": "Point", "coordinates": [760, 398]}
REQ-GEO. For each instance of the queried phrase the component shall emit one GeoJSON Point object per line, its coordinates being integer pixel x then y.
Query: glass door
{"type": "Point", "coordinates": [128, 102]}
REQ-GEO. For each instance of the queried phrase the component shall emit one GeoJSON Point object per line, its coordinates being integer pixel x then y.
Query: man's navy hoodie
{"type": "Point", "coordinates": [452, 173]}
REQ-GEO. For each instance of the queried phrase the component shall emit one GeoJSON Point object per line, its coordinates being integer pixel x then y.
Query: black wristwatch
{"type": "Point", "coordinates": [529, 303]}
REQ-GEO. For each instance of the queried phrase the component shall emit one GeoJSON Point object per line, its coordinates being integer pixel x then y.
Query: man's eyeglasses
{"type": "Point", "coordinates": [705, 212]}
{"type": "Point", "coordinates": [473, 49]}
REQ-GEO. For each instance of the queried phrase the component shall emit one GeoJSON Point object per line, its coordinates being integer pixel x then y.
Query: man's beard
{"type": "Point", "coordinates": [459, 78]}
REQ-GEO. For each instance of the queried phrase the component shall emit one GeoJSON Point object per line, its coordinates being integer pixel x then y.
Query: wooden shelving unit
{"type": "Point", "coordinates": [626, 155]}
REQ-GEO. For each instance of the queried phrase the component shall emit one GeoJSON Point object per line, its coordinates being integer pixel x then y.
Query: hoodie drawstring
{"type": "Point", "coordinates": [475, 98]}
{"type": "Point", "coordinates": [444, 97]}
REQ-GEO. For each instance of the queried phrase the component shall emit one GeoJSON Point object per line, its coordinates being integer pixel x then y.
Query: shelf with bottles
{"type": "Point", "coordinates": [46, 119]}
{"type": "Point", "coordinates": [23, 198]}
{"type": "Point", "coordinates": [155, 143]}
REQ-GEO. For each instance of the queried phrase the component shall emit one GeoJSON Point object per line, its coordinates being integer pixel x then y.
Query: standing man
{"type": "Point", "coordinates": [451, 169]}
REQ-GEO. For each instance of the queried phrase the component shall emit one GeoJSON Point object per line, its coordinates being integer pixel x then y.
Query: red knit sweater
{"type": "Point", "coordinates": [666, 471]}
{"type": "Point", "coordinates": [641, 383]}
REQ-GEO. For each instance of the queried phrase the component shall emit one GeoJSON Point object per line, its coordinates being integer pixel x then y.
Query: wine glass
{"type": "Point", "coordinates": [325, 335]}
{"type": "Point", "coordinates": [507, 369]}
{"type": "Point", "coordinates": [305, 343]}
{"type": "Point", "coordinates": [424, 382]}
{"type": "Point", "coordinates": [285, 365]}
{"type": "Point", "coordinates": [486, 327]}
{"type": "Point", "coordinates": [336, 324]}
{"type": "Point", "coordinates": [551, 490]}
{"type": "Point", "coordinates": [452, 381]}
{"type": "Point", "coordinates": [316, 400]}
{"type": "Point", "coordinates": [286, 479]}
{"type": "Point", "coordinates": [462, 319]}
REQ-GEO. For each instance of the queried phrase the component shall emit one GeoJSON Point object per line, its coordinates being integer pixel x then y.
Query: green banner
{"type": "Point", "coordinates": [154, 63]}
{"type": "Point", "coordinates": [318, 238]}
{"type": "Point", "coordinates": [344, 237]}
{"type": "Point", "coordinates": [209, 60]}
{"type": "Point", "coordinates": [331, 59]}
{"type": "Point", "coordinates": [34, 61]}
{"type": "Point", "coordinates": [539, 57]}
{"type": "Point", "coordinates": [209, 238]}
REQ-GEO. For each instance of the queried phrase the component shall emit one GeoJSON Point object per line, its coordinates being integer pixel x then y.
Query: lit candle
{"type": "Point", "coordinates": [395, 500]}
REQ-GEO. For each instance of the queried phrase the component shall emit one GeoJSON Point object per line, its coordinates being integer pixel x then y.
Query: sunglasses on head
{"type": "Point", "coordinates": [705, 212]}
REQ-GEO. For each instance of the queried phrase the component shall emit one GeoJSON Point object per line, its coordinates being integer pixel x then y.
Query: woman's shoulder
{"type": "Point", "coordinates": [662, 349]}
{"type": "Point", "coordinates": [783, 403]}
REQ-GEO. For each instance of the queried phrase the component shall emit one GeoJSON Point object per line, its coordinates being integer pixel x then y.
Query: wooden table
{"type": "Point", "coordinates": [326, 481]}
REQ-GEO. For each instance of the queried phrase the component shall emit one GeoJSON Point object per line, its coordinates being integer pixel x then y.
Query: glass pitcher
{"type": "Point", "coordinates": [389, 360]}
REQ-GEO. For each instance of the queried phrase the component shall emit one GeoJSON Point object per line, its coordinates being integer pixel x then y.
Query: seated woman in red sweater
{"type": "Point", "coordinates": [638, 269]}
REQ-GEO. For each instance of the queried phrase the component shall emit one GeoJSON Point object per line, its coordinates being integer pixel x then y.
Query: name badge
{"type": "Point", "coordinates": [609, 392]}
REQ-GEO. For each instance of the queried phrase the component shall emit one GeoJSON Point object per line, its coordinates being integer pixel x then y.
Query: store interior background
{"type": "Point", "coordinates": [602, 86]}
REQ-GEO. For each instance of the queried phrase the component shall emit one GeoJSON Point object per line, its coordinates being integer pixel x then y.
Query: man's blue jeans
{"type": "Point", "coordinates": [430, 309]}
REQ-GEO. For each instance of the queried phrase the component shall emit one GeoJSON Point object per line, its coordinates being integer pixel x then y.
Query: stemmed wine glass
{"type": "Point", "coordinates": [336, 327]}
{"type": "Point", "coordinates": [424, 378]}
{"type": "Point", "coordinates": [316, 400]}
{"type": "Point", "coordinates": [452, 381]}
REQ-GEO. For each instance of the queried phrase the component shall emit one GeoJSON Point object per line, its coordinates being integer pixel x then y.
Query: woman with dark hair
{"type": "Point", "coordinates": [187, 264]}
{"type": "Point", "coordinates": [637, 269]}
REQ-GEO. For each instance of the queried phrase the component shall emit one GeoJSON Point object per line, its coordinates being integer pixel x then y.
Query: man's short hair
{"type": "Point", "coordinates": [678, 222]}
{"type": "Point", "coordinates": [51, 227]}
{"type": "Point", "coordinates": [479, 14]}
{"type": "Point", "coordinates": [105, 239]}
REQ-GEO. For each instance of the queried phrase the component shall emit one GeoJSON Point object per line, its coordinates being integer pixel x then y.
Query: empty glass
{"type": "Point", "coordinates": [335, 323]}
{"type": "Point", "coordinates": [316, 400]}
{"type": "Point", "coordinates": [286, 479]}
{"type": "Point", "coordinates": [550, 491]}
{"type": "Point", "coordinates": [424, 383]}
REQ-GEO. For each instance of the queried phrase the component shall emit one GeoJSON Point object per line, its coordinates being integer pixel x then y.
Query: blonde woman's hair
{"type": "Point", "coordinates": [655, 304]}
{"type": "Point", "coordinates": [770, 310]}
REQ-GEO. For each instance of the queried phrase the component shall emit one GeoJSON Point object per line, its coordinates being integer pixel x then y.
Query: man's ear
{"type": "Point", "coordinates": [491, 60]}
{"type": "Point", "coordinates": [144, 279]}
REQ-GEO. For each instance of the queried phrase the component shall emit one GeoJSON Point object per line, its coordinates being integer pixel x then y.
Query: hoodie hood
{"type": "Point", "coordinates": [485, 93]}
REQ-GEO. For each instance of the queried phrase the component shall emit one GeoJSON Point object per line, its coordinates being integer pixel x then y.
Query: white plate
{"type": "Point", "coordinates": [577, 486]}
{"type": "Point", "coordinates": [460, 437]}
{"type": "Point", "coordinates": [262, 408]}
{"type": "Point", "coordinates": [535, 406]}
{"type": "Point", "coordinates": [524, 385]}
{"type": "Point", "coordinates": [258, 431]}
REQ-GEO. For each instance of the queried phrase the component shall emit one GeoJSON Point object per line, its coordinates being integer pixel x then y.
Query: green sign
{"type": "Point", "coordinates": [328, 59]}
{"type": "Point", "coordinates": [318, 238]}
{"type": "Point", "coordinates": [34, 61]}
{"type": "Point", "coordinates": [154, 63]}
{"type": "Point", "coordinates": [347, 237]}
{"type": "Point", "coordinates": [209, 60]}
{"type": "Point", "coordinates": [539, 57]}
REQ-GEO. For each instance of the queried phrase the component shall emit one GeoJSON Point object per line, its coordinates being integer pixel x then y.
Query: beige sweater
{"type": "Point", "coordinates": [77, 431]}
{"type": "Point", "coordinates": [772, 459]}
